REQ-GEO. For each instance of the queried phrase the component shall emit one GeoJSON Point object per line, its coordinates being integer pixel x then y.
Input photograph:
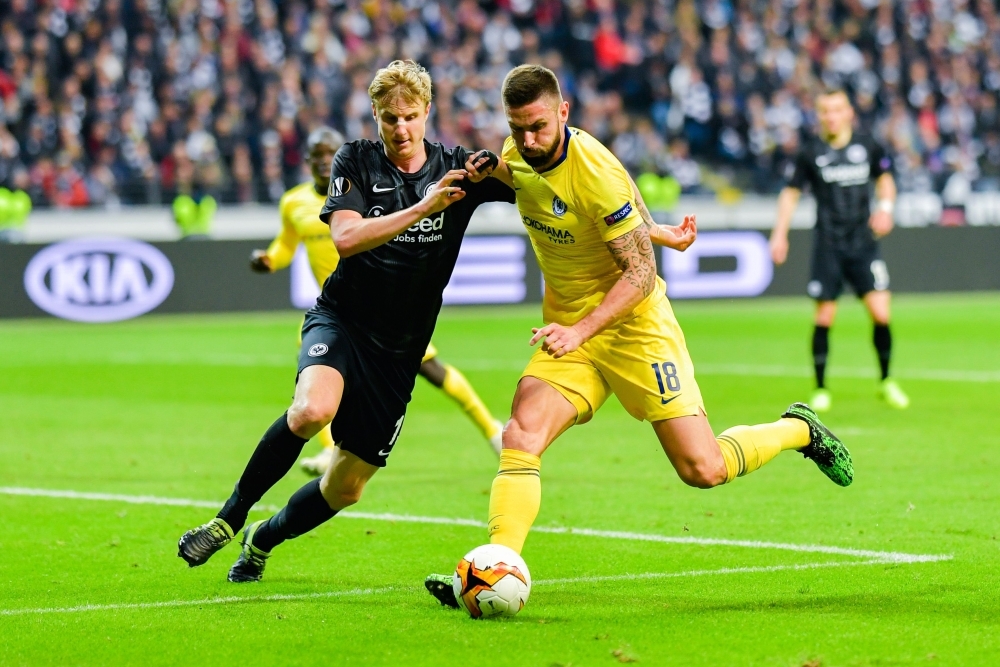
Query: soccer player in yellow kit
{"type": "Point", "coordinates": [299, 209]}
{"type": "Point", "coordinates": [609, 326]}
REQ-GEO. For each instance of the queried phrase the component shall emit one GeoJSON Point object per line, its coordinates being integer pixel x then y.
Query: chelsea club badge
{"type": "Point", "coordinates": [558, 207]}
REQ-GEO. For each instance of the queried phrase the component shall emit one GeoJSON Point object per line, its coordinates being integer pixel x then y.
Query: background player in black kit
{"type": "Point", "coordinates": [839, 166]}
{"type": "Point", "coordinates": [397, 209]}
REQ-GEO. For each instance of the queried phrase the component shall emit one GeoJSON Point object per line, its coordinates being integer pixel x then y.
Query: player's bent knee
{"type": "Point", "coordinates": [344, 494]}
{"type": "Point", "coordinates": [343, 498]}
{"type": "Point", "coordinates": [703, 474]}
{"type": "Point", "coordinates": [310, 417]}
{"type": "Point", "coordinates": [517, 438]}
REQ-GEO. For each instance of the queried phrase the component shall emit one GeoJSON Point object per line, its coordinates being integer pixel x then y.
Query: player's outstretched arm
{"type": "Point", "coordinates": [787, 201]}
{"type": "Point", "coordinates": [502, 173]}
{"type": "Point", "coordinates": [481, 164]}
{"type": "Point", "coordinates": [260, 262]}
{"type": "Point", "coordinates": [633, 253]}
{"type": "Point", "coordinates": [881, 220]}
{"type": "Point", "coordinates": [678, 237]}
{"type": "Point", "coordinates": [282, 249]}
{"type": "Point", "coordinates": [487, 163]}
{"type": "Point", "coordinates": [353, 234]}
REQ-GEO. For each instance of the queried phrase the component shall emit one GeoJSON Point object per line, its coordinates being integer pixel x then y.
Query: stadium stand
{"type": "Point", "coordinates": [138, 101]}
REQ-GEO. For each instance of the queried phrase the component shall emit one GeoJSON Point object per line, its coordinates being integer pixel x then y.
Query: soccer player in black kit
{"type": "Point", "coordinates": [840, 166]}
{"type": "Point", "coordinates": [397, 209]}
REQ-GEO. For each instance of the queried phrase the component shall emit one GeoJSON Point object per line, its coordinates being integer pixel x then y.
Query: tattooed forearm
{"type": "Point", "coordinates": [633, 253]}
{"type": "Point", "coordinates": [647, 217]}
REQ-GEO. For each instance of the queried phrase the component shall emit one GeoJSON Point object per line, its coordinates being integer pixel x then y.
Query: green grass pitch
{"type": "Point", "coordinates": [171, 407]}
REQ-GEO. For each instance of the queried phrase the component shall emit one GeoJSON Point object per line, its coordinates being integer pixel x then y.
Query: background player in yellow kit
{"type": "Point", "coordinates": [299, 209]}
{"type": "Point", "coordinates": [609, 326]}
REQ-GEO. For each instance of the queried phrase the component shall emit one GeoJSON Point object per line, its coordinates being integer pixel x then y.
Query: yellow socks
{"type": "Point", "coordinates": [456, 386]}
{"type": "Point", "coordinates": [515, 498]}
{"type": "Point", "coordinates": [747, 448]}
{"type": "Point", "coordinates": [325, 437]}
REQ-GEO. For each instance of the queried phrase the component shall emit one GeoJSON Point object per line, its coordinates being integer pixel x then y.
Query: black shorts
{"type": "Point", "coordinates": [377, 388]}
{"type": "Point", "coordinates": [833, 264]}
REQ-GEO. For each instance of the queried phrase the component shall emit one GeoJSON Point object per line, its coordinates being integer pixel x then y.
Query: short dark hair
{"type": "Point", "coordinates": [527, 83]}
{"type": "Point", "coordinates": [324, 135]}
{"type": "Point", "coordinates": [829, 91]}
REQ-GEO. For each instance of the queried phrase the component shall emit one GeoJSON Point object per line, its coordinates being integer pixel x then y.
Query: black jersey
{"type": "Point", "coordinates": [392, 294]}
{"type": "Point", "coordinates": [841, 182]}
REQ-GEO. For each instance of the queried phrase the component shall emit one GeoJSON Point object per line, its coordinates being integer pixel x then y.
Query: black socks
{"type": "Point", "coordinates": [306, 509]}
{"type": "Point", "coordinates": [274, 457]}
{"type": "Point", "coordinates": [882, 338]}
{"type": "Point", "coordinates": [820, 348]}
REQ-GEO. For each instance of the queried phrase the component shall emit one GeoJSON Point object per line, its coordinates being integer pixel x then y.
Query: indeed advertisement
{"type": "Point", "coordinates": [110, 279]}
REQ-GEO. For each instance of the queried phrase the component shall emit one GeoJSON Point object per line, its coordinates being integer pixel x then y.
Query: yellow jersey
{"type": "Point", "coordinates": [571, 210]}
{"type": "Point", "coordinates": [299, 209]}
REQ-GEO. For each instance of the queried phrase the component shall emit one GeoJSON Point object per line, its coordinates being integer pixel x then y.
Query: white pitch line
{"type": "Point", "coordinates": [893, 556]}
{"type": "Point", "coordinates": [192, 603]}
{"type": "Point", "coordinates": [934, 374]}
{"type": "Point", "coordinates": [889, 556]}
{"type": "Point", "coordinates": [700, 573]}
{"type": "Point", "coordinates": [86, 495]}
{"type": "Point", "coordinates": [375, 591]}
{"type": "Point", "coordinates": [272, 360]}
{"type": "Point", "coordinates": [777, 370]}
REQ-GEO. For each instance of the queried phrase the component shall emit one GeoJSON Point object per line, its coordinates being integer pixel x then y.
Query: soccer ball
{"type": "Point", "coordinates": [492, 580]}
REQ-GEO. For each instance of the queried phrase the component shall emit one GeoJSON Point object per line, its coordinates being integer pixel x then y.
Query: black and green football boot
{"type": "Point", "coordinates": [250, 565]}
{"type": "Point", "coordinates": [440, 586]}
{"type": "Point", "coordinates": [198, 544]}
{"type": "Point", "coordinates": [825, 449]}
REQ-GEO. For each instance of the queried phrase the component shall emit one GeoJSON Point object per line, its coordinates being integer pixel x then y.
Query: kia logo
{"type": "Point", "coordinates": [98, 280]}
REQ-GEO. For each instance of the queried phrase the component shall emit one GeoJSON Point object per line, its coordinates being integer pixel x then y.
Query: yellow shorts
{"type": "Point", "coordinates": [430, 353]}
{"type": "Point", "coordinates": [643, 361]}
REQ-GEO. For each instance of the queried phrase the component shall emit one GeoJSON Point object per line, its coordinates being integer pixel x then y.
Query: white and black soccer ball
{"type": "Point", "coordinates": [492, 580]}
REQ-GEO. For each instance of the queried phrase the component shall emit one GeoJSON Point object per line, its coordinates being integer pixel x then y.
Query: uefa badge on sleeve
{"type": "Point", "coordinates": [339, 186]}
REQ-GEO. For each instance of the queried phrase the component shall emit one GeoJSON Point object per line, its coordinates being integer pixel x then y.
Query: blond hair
{"type": "Point", "coordinates": [401, 79]}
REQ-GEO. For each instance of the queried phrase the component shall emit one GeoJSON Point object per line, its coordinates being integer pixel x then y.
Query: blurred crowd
{"type": "Point", "coordinates": [136, 101]}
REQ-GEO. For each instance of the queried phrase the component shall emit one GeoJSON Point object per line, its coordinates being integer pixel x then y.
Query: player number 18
{"type": "Point", "coordinates": [668, 375]}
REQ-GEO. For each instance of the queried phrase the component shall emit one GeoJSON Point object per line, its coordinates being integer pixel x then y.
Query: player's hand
{"type": "Point", "coordinates": [559, 340]}
{"type": "Point", "coordinates": [445, 192]}
{"type": "Point", "coordinates": [260, 262]}
{"type": "Point", "coordinates": [480, 165]}
{"type": "Point", "coordinates": [881, 223]}
{"type": "Point", "coordinates": [779, 248]}
{"type": "Point", "coordinates": [680, 237]}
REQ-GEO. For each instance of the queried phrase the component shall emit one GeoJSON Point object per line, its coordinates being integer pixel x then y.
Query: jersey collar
{"type": "Point", "coordinates": [415, 176]}
{"type": "Point", "coordinates": [562, 158]}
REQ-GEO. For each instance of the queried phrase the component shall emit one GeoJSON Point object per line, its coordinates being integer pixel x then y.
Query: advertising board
{"type": "Point", "coordinates": [109, 279]}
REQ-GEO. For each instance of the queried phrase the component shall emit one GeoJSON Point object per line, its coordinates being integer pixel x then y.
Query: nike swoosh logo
{"type": "Point", "coordinates": [664, 401]}
{"type": "Point", "coordinates": [382, 452]}
{"type": "Point", "coordinates": [376, 188]}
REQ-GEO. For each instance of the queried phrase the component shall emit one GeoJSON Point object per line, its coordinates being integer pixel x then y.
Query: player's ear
{"type": "Point", "coordinates": [374, 113]}
{"type": "Point", "coordinates": [564, 110]}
